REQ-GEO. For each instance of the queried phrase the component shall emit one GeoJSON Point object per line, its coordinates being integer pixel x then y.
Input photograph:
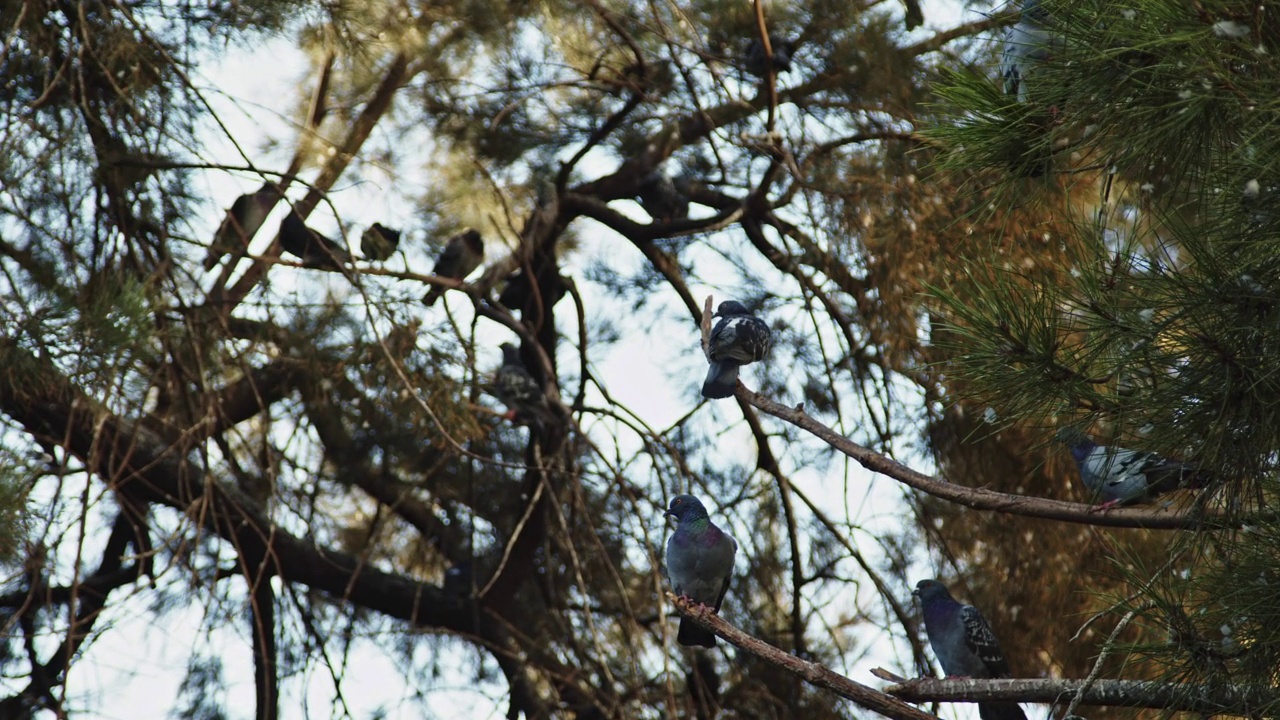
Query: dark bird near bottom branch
{"type": "Point", "coordinates": [241, 223]}
{"type": "Point", "coordinates": [755, 60]}
{"type": "Point", "coordinates": [738, 339]}
{"type": "Point", "coordinates": [699, 564]}
{"type": "Point", "coordinates": [314, 249]}
{"type": "Point", "coordinates": [516, 388]}
{"type": "Point", "coordinates": [462, 254]}
{"type": "Point", "coordinates": [1119, 476]}
{"type": "Point", "coordinates": [962, 639]}
{"type": "Point", "coordinates": [379, 242]}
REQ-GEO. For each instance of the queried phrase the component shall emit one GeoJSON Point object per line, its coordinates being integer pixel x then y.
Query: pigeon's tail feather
{"type": "Point", "coordinates": [1172, 476]}
{"type": "Point", "coordinates": [693, 634]}
{"type": "Point", "coordinates": [1001, 711]}
{"type": "Point", "coordinates": [722, 378]}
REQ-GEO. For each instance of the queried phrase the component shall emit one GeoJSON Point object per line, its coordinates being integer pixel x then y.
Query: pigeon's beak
{"type": "Point", "coordinates": [669, 514]}
{"type": "Point", "coordinates": [915, 593]}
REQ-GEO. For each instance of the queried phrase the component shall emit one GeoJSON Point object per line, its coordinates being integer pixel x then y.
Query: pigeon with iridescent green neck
{"type": "Point", "coordinates": [699, 563]}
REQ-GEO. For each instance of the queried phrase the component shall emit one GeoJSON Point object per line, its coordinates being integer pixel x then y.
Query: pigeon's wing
{"type": "Point", "coordinates": [732, 546]}
{"type": "Point", "coordinates": [982, 642]}
{"type": "Point", "coordinates": [741, 339]}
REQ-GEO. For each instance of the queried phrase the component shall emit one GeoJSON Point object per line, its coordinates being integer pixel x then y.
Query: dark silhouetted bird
{"type": "Point", "coordinates": [1118, 476]}
{"type": "Point", "coordinates": [314, 249]}
{"type": "Point", "coordinates": [661, 198]}
{"type": "Point", "coordinates": [699, 563]}
{"type": "Point", "coordinates": [738, 339]}
{"type": "Point", "coordinates": [516, 388]}
{"type": "Point", "coordinates": [755, 62]}
{"type": "Point", "coordinates": [462, 254]}
{"type": "Point", "coordinates": [379, 242]}
{"type": "Point", "coordinates": [964, 644]}
{"type": "Point", "coordinates": [241, 223]}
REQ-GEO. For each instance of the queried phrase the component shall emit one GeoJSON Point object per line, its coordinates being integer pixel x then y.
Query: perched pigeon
{"type": "Point", "coordinates": [1026, 44]}
{"type": "Point", "coordinates": [515, 387]}
{"type": "Point", "coordinates": [1117, 476]}
{"type": "Point", "coordinates": [754, 61]}
{"type": "Point", "coordinates": [242, 222]}
{"type": "Point", "coordinates": [462, 254]}
{"type": "Point", "coordinates": [314, 249]}
{"type": "Point", "coordinates": [660, 197]}
{"type": "Point", "coordinates": [517, 294]}
{"type": "Point", "coordinates": [738, 339]}
{"type": "Point", "coordinates": [379, 242]}
{"type": "Point", "coordinates": [699, 563]}
{"type": "Point", "coordinates": [964, 644]}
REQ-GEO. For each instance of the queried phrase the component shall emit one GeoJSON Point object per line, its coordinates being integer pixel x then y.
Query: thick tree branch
{"type": "Point", "coordinates": [1232, 699]}
{"type": "Point", "coordinates": [812, 673]}
{"type": "Point", "coordinates": [983, 499]}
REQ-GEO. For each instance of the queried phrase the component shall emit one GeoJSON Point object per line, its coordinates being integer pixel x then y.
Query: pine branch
{"type": "Point", "coordinates": [983, 499]}
{"type": "Point", "coordinates": [1233, 699]}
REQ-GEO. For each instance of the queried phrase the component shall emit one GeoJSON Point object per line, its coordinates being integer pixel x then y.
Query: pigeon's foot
{"type": "Point", "coordinates": [1104, 506]}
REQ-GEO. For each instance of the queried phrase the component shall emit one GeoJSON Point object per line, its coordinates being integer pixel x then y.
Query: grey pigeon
{"type": "Point", "coordinates": [661, 198]}
{"type": "Point", "coordinates": [379, 242]}
{"type": "Point", "coordinates": [242, 222]}
{"type": "Point", "coordinates": [699, 563]}
{"type": "Point", "coordinates": [314, 249]}
{"type": "Point", "coordinates": [462, 254]}
{"type": "Point", "coordinates": [755, 61]}
{"type": "Point", "coordinates": [516, 388]}
{"type": "Point", "coordinates": [738, 339]}
{"type": "Point", "coordinates": [964, 644]}
{"type": "Point", "coordinates": [1026, 44]}
{"type": "Point", "coordinates": [1118, 476]}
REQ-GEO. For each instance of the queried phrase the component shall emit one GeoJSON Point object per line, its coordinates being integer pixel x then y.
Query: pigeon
{"type": "Point", "coordinates": [314, 249]}
{"type": "Point", "coordinates": [462, 254]}
{"type": "Point", "coordinates": [964, 644]}
{"type": "Point", "coordinates": [379, 242]}
{"type": "Point", "coordinates": [660, 197]}
{"type": "Point", "coordinates": [738, 339]}
{"type": "Point", "coordinates": [242, 222]}
{"type": "Point", "coordinates": [517, 389]}
{"type": "Point", "coordinates": [699, 564]}
{"type": "Point", "coordinates": [1118, 476]}
{"type": "Point", "coordinates": [1026, 44]}
{"type": "Point", "coordinates": [754, 61]}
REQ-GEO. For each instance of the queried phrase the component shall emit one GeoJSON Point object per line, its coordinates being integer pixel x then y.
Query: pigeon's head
{"type": "Point", "coordinates": [1072, 437]}
{"type": "Point", "coordinates": [510, 353]}
{"type": "Point", "coordinates": [929, 590]}
{"type": "Point", "coordinates": [472, 238]}
{"type": "Point", "coordinates": [686, 507]}
{"type": "Point", "coordinates": [729, 308]}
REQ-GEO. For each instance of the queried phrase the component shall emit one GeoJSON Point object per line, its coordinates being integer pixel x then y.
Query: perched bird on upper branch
{"type": "Point", "coordinates": [242, 221]}
{"type": "Point", "coordinates": [1118, 476]}
{"type": "Point", "coordinates": [699, 563]}
{"type": "Point", "coordinates": [379, 242]}
{"type": "Point", "coordinates": [462, 254]}
{"type": "Point", "coordinates": [1026, 44]}
{"type": "Point", "coordinates": [964, 644]}
{"type": "Point", "coordinates": [661, 198]}
{"type": "Point", "coordinates": [314, 249]}
{"type": "Point", "coordinates": [738, 339]}
{"type": "Point", "coordinates": [516, 388]}
{"type": "Point", "coordinates": [755, 61]}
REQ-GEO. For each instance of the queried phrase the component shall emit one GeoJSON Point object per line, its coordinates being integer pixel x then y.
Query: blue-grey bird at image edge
{"type": "Point", "coordinates": [1119, 476]}
{"type": "Point", "coordinates": [964, 644]}
{"type": "Point", "coordinates": [699, 563]}
{"type": "Point", "coordinates": [738, 339]}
